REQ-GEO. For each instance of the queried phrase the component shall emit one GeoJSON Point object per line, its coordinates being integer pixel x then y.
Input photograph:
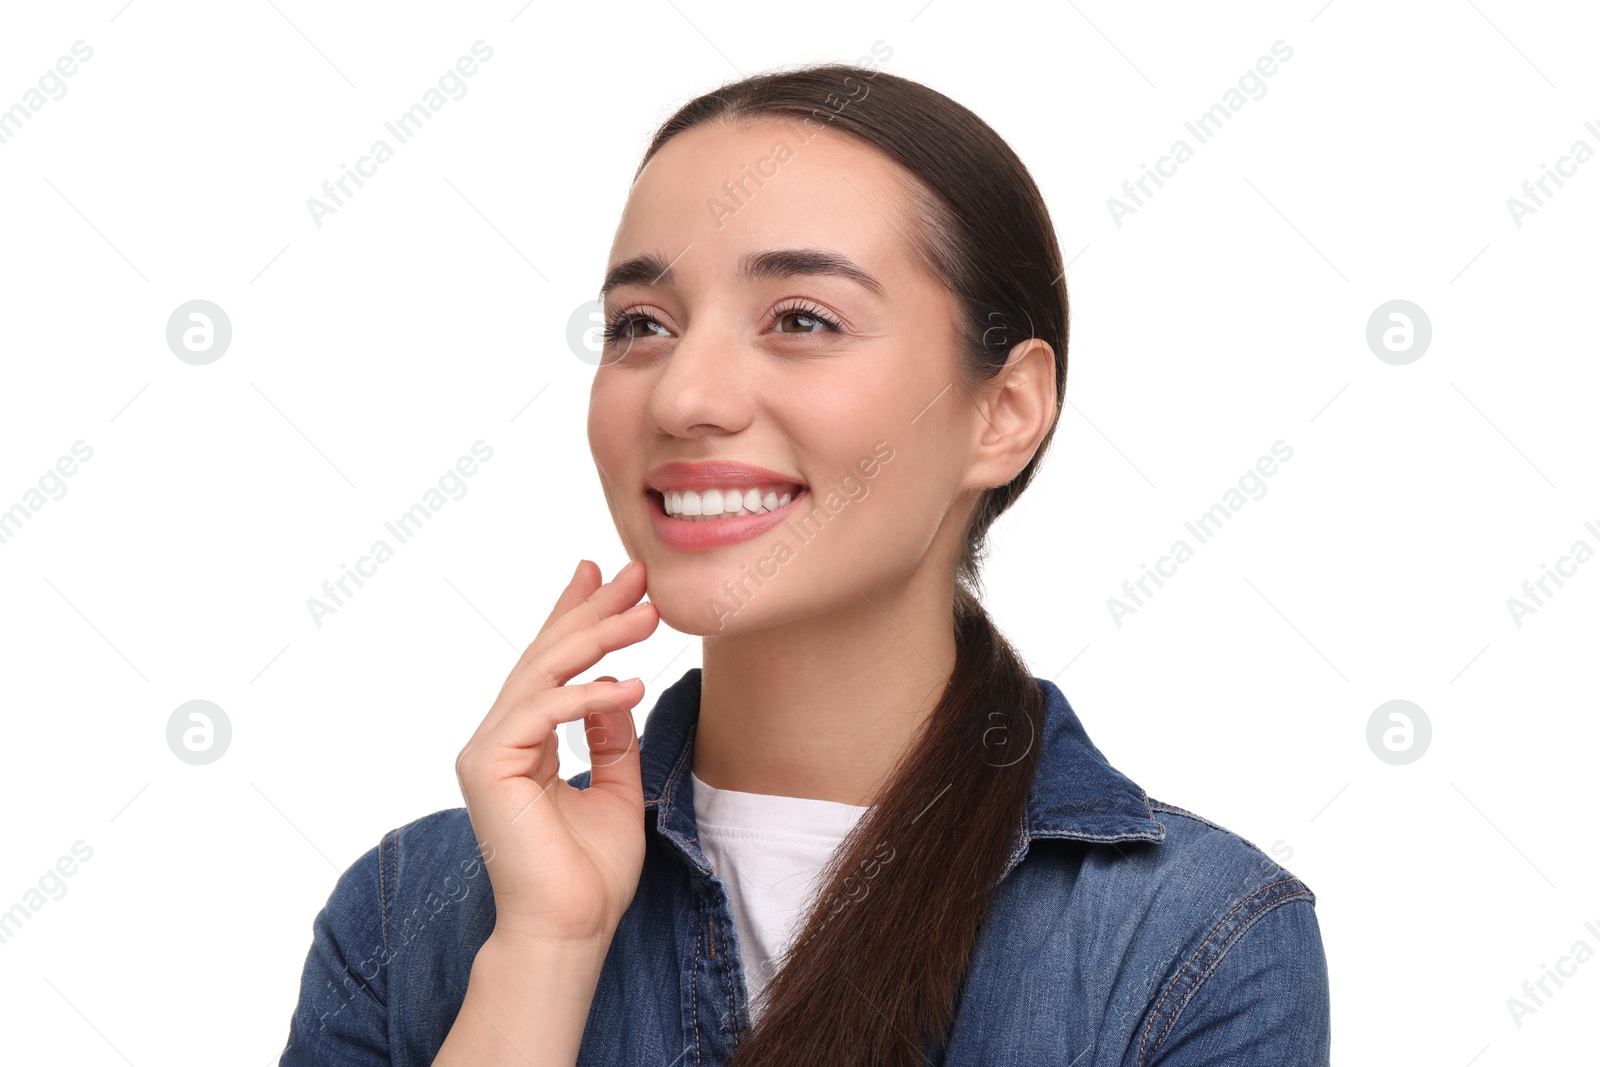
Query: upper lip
{"type": "Point", "coordinates": [715, 474]}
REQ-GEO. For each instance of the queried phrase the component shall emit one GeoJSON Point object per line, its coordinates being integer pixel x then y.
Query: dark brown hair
{"type": "Point", "coordinates": [875, 974]}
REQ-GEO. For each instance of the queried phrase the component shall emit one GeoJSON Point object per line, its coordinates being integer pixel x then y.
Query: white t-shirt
{"type": "Point", "coordinates": [768, 851]}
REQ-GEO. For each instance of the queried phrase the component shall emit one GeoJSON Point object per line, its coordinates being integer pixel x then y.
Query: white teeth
{"type": "Point", "coordinates": [700, 505]}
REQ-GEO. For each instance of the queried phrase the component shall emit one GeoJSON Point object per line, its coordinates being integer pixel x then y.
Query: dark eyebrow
{"type": "Point", "coordinates": [646, 269]}
{"type": "Point", "coordinates": [788, 262]}
{"type": "Point", "coordinates": [651, 269]}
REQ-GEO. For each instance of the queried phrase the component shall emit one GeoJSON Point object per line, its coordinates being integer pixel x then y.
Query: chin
{"type": "Point", "coordinates": [694, 601]}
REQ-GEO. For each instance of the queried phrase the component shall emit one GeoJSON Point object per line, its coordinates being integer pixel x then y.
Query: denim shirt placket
{"type": "Point", "coordinates": [716, 1010]}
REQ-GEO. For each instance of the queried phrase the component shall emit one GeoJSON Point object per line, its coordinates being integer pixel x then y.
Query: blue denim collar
{"type": "Point", "coordinates": [1076, 793]}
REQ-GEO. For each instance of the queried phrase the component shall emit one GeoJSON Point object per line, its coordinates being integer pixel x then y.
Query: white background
{"type": "Point", "coordinates": [431, 311]}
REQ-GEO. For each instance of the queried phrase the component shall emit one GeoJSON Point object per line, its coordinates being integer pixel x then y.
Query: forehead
{"type": "Point", "coordinates": [721, 190]}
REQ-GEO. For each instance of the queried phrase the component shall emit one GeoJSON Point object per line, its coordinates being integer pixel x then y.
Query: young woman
{"type": "Point", "coordinates": [862, 832]}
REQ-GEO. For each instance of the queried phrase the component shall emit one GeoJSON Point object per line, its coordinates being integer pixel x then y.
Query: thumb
{"type": "Point", "coordinates": [614, 744]}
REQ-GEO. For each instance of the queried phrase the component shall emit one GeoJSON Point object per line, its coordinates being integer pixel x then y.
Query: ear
{"type": "Point", "coordinates": [1016, 409]}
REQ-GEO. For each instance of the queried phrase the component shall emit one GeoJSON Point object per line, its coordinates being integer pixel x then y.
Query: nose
{"type": "Point", "coordinates": [703, 389]}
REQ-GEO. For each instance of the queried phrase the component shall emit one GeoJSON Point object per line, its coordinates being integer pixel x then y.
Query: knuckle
{"type": "Point", "coordinates": [592, 610]}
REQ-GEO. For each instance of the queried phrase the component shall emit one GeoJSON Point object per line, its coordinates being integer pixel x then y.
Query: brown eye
{"type": "Point", "coordinates": [621, 328]}
{"type": "Point", "coordinates": [803, 322]}
{"type": "Point", "coordinates": [804, 319]}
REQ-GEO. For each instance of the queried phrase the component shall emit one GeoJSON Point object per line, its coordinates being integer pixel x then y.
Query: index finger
{"type": "Point", "coordinates": [581, 586]}
{"type": "Point", "coordinates": [604, 600]}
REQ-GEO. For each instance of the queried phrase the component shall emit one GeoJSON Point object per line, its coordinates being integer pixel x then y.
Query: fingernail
{"type": "Point", "coordinates": [629, 681]}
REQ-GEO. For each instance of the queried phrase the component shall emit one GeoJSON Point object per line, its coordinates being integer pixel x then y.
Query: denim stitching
{"type": "Point", "coordinates": [1156, 1013]}
{"type": "Point", "coordinates": [727, 971]}
{"type": "Point", "coordinates": [672, 778]}
{"type": "Point", "coordinates": [694, 998]}
{"type": "Point", "coordinates": [1185, 811]}
{"type": "Point", "coordinates": [1216, 826]}
{"type": "Point", "coordinates": [1257, 917]}
{"type": "Point", "coordinates": [1078, 835]}
{"type": "Point", "coordinates": [383, 893]}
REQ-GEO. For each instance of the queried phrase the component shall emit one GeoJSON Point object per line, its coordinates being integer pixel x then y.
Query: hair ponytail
{"type": "Point", "coordinates": [874, 976]}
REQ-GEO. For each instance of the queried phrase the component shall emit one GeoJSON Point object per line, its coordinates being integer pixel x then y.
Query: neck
{"type": "Point", "coordinates": [824, 707]}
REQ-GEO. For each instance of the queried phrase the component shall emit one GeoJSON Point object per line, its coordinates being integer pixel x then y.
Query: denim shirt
{"type": "Point", "coordinates": [1123, 933]}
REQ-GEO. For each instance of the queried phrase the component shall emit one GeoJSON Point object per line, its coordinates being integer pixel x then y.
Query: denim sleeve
{"type": "Point", "coordinates": [341, 1017]}
{"type": "Point", "coordinates": [1255, 996]}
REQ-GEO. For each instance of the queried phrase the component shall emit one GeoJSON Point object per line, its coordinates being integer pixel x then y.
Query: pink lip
{"type": "Point", "coordinates": [703, 536]}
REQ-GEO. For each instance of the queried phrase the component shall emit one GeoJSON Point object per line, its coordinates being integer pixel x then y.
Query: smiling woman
{"type": "Point", "coordinates": [862, 832]}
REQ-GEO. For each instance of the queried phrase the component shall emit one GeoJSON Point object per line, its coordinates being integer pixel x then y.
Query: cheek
{"type": "Point", "coordinates": [917, 468]}
{"type": "Point", "coordinates": [597, 393]}
{"type": "Point", "coordinates": [905, 496]}
{"type": "Point", "coordinates": [895, 473]}
{"type": "Point", "coordinates": [610, 415]}
{"type": "Point", "coordinates": [883, 482]}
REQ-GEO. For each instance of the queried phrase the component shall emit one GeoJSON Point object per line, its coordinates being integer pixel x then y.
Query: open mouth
{"type": "Point", "coordinates": [712, 505]}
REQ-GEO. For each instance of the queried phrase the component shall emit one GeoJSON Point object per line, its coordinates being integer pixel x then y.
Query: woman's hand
{"type": "Point", "coordinates": [564, 863]}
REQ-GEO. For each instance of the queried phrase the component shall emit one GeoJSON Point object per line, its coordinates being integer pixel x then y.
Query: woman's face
{"type": "Point", "coordinates": [843, 390]}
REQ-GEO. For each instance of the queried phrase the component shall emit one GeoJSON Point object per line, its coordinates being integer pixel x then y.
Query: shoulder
{"type": "Point", "coordinates": [1233, 947]}
{"type": "Point", "coordinates": [392, 946]}
{"type": "Point", "coordinates": [433, 841]}
{"type": "Point", "coordinates": [1195, 846]}
{"type": "Point", "coordinates": [432, 852]}
{"type": "Point", "coordinates": [1204, 948]}
{"type": "Point", "coordinates": [432, 871]}
{"type": "Point", "coordinates": [420, 894]}
{"type": "Point", "coordinates": [1197, 863]}
{"type": "Point", "coordinates": [1204, 887]}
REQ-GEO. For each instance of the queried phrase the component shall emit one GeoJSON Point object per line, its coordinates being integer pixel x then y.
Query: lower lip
{"type": "Point", "coordinates": [699, 536]}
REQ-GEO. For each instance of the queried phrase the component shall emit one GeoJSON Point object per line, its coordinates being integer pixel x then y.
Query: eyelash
{"type": "Point", "coordinates": [612, 333]}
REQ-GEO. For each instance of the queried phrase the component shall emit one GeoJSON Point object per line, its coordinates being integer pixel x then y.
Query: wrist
{"type": "Point", "coordinates": [528, 997]}
{"type": "Point", "coordinates": [509, 949]}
